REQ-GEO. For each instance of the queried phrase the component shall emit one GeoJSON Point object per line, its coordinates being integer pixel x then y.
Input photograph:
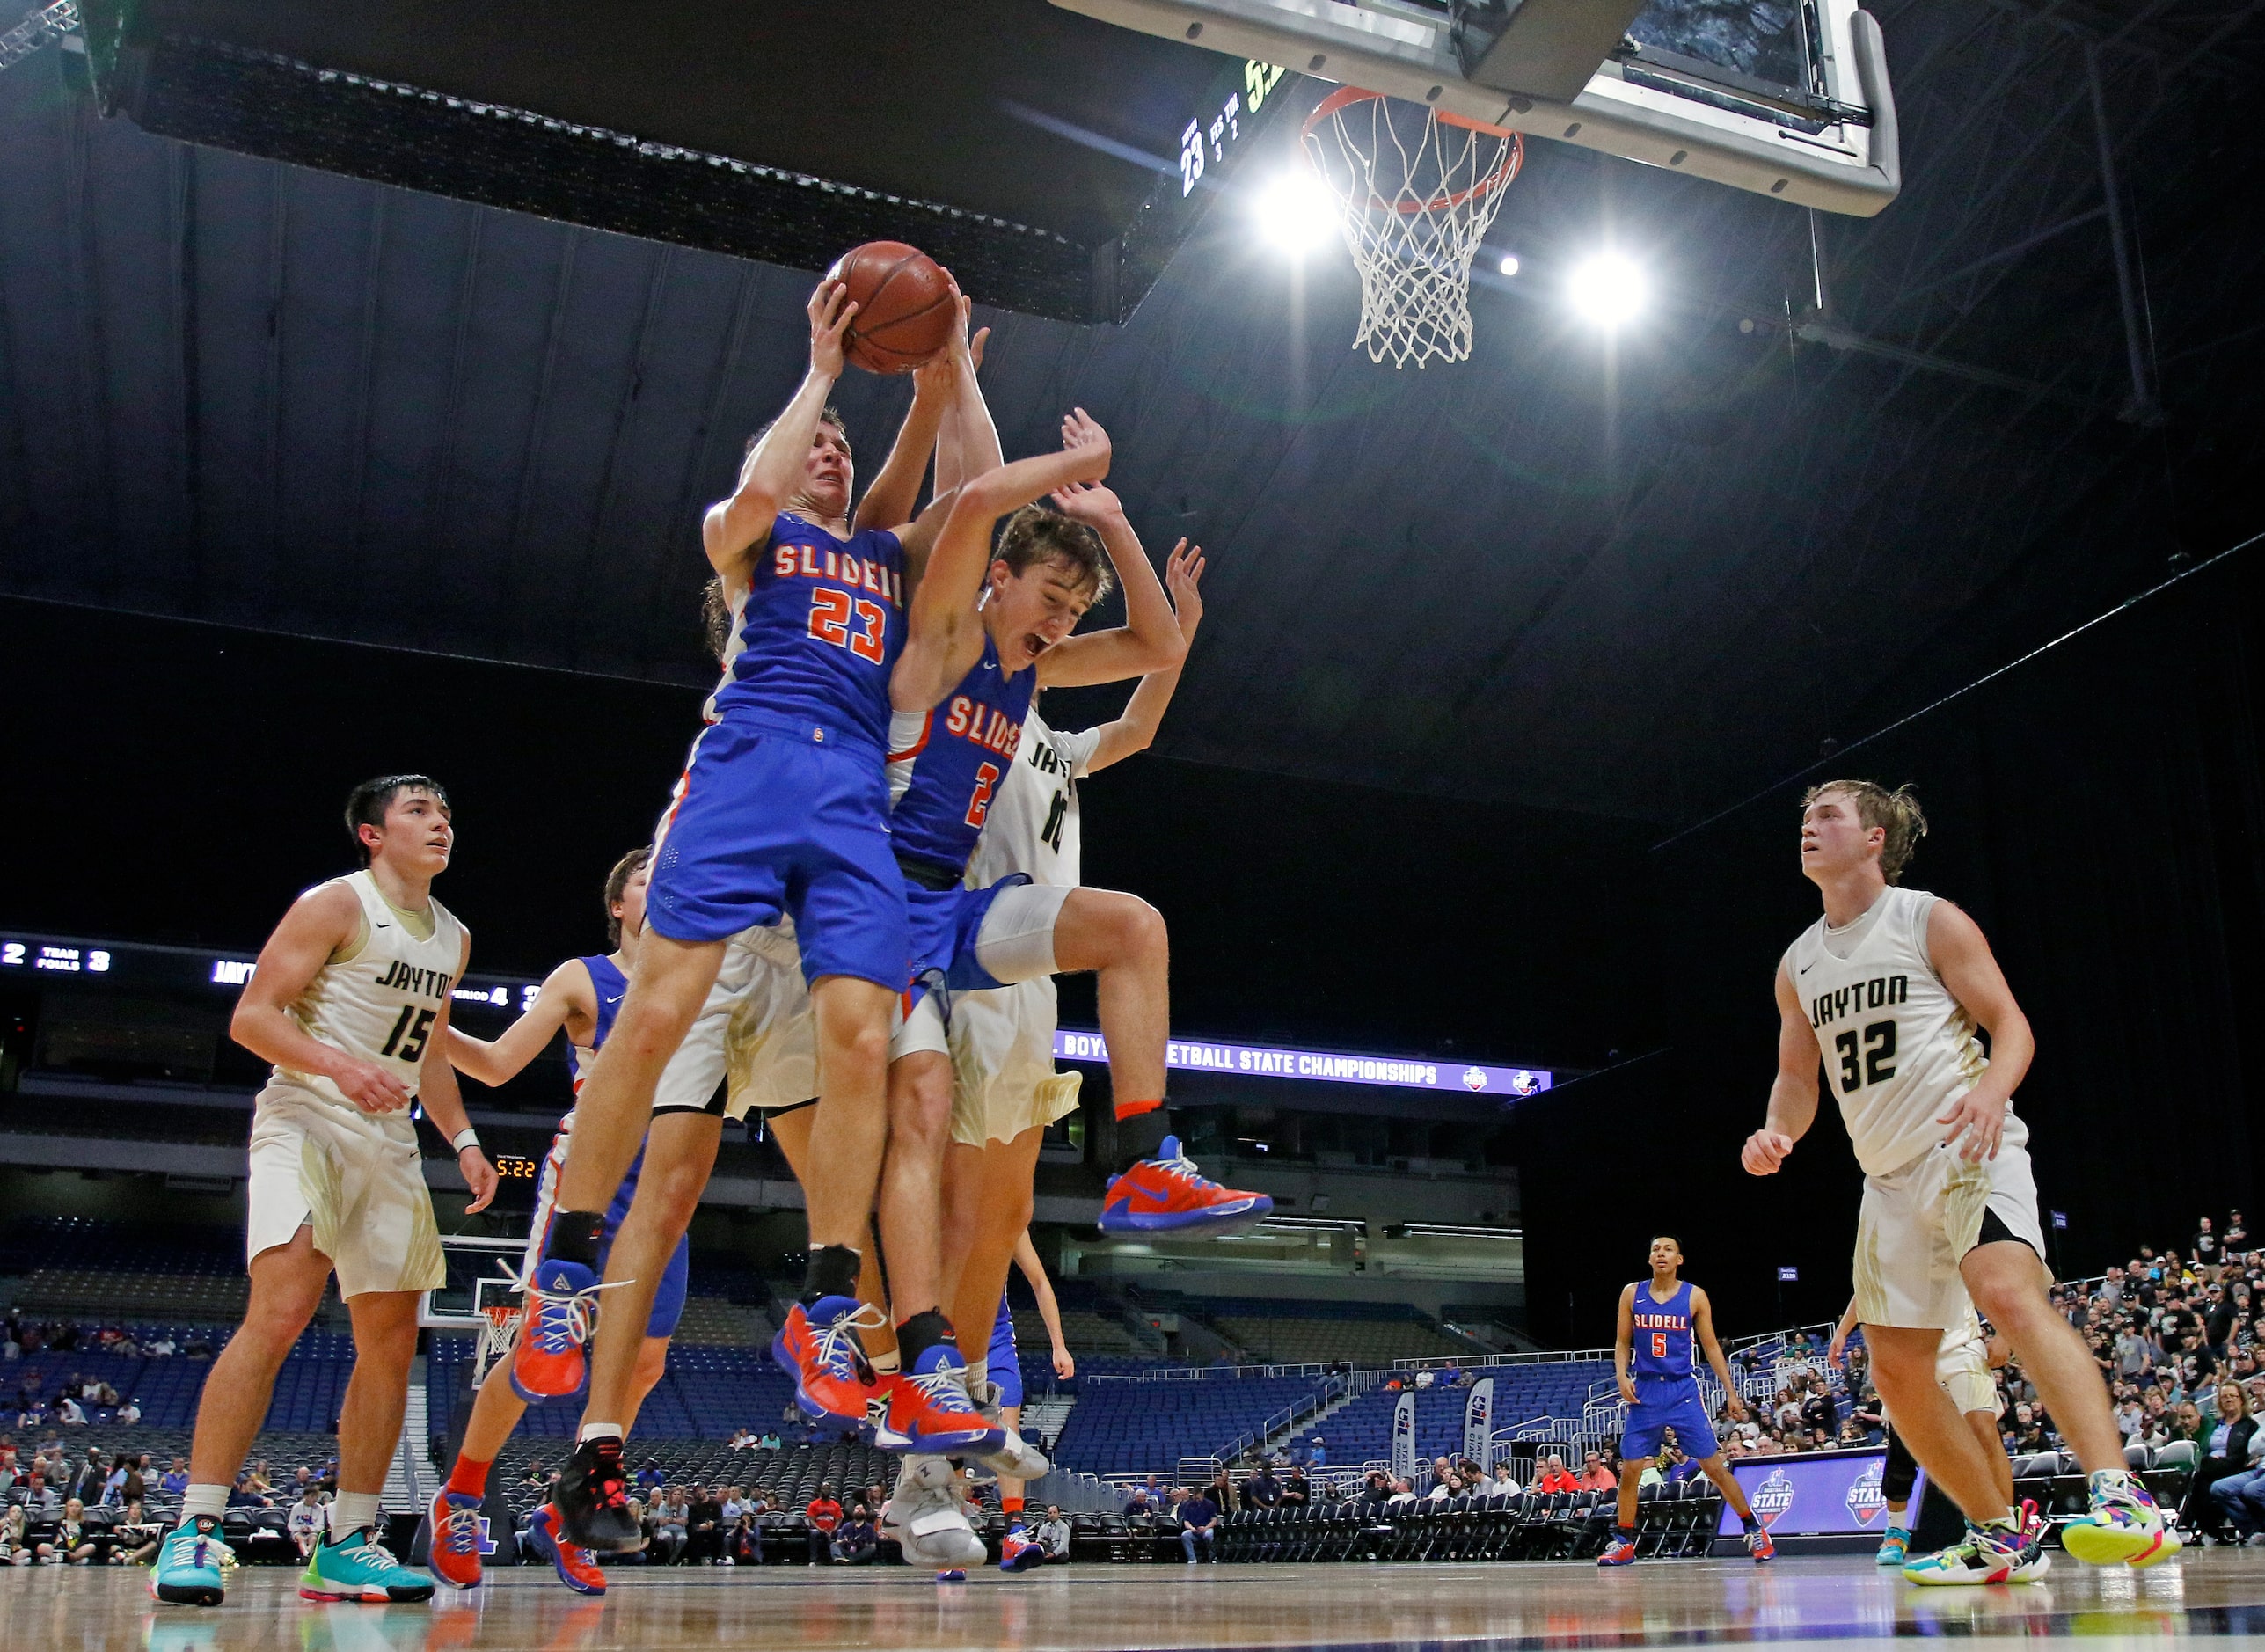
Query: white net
{"type": "Point", "coordinates": [1417, 191]}
{"type": "Point", "coordinates": [498, 1329]}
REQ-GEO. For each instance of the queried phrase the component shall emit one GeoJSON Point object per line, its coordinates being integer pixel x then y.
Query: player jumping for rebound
{"type": "Point", "coordinates": [350, 1001]}
{"type": "Point", "coordinates": [580, 996]}
{"type": "Point", "coordinates": [1890, 987]}
{"type": "Point", "coordinates": [1660, 1318]}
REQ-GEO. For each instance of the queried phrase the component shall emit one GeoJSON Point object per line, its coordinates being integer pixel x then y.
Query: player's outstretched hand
{"type": "Point", "coordinates": [1183, 577]}
{"type": "Point", "coordinates": [1081, 435]}
{"type": "Point", "coordinates": [1763, 1151]}
{"type": "Point", "coordinates": [370, 1087]}
{"type": "Point", "coordinates": [1981, 1119]}
{"type": "Point", "coordinates": [1088, 502]}
{"type": "Point", "coordinates": [831, 311]}
{"type": "Point", "coordinates": [1065, 1363]}
{"type": "Point", "coordinates": [479, 1176]}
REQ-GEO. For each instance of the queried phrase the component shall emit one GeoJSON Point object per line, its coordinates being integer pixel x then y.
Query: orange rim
{"type": "Point", "coordinates": [1513, 157]}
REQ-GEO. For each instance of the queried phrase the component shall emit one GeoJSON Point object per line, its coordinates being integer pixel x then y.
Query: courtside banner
{"type": "Point", "coordinates": [1796, 1496]}
{"type": "Point", "coordinates": [1318, 1066]}
{"type": "Point", "coordinates": [1478, 1423]}
{"type": "Point", "coordinates": [1404, 1437]}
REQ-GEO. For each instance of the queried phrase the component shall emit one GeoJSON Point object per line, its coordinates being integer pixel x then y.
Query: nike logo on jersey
{"type": "Point", "coordinates": [1806, 968]}
{"type": "Point", "coordinates": [615, 999]}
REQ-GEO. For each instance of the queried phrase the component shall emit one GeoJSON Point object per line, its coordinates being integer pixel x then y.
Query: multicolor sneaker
{"type": "Point", "coordinates": [2122, 1527]}
{"type": "Point", "coordinates": [357, 1568]}
{"type": "Point", "coordinates": [592, 1500]}
{"type": "Point", "coordinates": [1894, 1547]}
{"type": "Point", "coordinates": [455, 1528]}
{"type": "Point", "coordinates": [1989, 1554]}
{"type": "Point", "coordinates": [819, 1347]}
{"type": "Point", "coordinates": [576, 1566]}
{"type": "Point", "coordinates": [1164, 1194]}
{"type": "Point", "coordinates": [1759, 1545]}
{"type": "Point", "coordinates": [929, 1409]}
{"type": "Point", "coordinates": [1017, 1552]}
{"type": "Point", "coordinates": [189, 1570]}
{"type": "Point", "coordinates": [548, 1361]}
{"type": "Point", "coordinates": [1621, 1551]}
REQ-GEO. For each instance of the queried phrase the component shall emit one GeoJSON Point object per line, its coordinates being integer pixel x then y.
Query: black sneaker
{"type": "Point", "coordinates": [593, 1499]}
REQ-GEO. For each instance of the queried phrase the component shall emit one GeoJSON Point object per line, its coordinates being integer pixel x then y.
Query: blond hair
{"type": "Point", "coordinates": [1897, 812]}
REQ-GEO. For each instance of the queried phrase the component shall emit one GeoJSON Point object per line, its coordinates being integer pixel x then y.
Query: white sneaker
{"type": "Point", "coordinates": [1017, 1459]}
{"type": "Point", "coordinates": [927, 1519]}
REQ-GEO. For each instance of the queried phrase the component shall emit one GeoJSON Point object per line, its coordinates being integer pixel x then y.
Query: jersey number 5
{"type": "Point", "coordinates": [987, 778]}
{"type": "Point", "coordinates": [830, 622]}
{"type": "Point", "coordinates": [1875, 1064]}
{"type": "Point", "coordinates": [1659, 1345]}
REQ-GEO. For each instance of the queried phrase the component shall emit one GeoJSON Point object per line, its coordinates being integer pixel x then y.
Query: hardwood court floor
{"type": "Point", "coordinates": [1107, 1608]}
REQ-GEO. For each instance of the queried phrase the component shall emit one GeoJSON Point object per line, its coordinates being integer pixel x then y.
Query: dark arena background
{"type": "Point", "coordinates": [365, 373]}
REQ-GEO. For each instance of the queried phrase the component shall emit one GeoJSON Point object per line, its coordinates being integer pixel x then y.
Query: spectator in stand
{"type": "Point", "coordinates": [1553, 1477]}
{"type": "Point", "coordinates": [1595, 1474]}
{"type": "Point", "coordinates": [2236, 1235]}
{"type": "Point", "coordinates": [74, 1541]}
{"type": "Point", "coordinates": [1505, 1483]}
{"type": "Point", "coordinates": [1818, 1412]}
{"type": "Point", "coordinates": [308, 1521]}
{"type": "Point", "coordinates": [650, 1478]}
{"type": "Point", "coordinates": [68, 1412]}
{"type": "Point", "coordinates": [2230, 1450]}
{"type": "Point", "coordinates": [2206, 1245]}
{"type": "Point", "coordinates": [1319, 1456]}
{"type": "Point", "coordinates": [1052, 1536]}
{"type": "Point", "coordinates": [1296, 1490]}
{"type": "Point", "coordinates": [671, 1524]}
{"type": "Point", "coordinates": [130, 1412]}
{"type": "Point", "coordinates": [704, 1528]}
{"type": "Point", "coordinates": [1262, 1490]}
{"type": "Point", "coordinates": [742, 1439]}
{"type": "Point", "coordinates": [824, 1515]}
{"type": "Point", "coordinates": [1199, 1527]}
{"type": "Point", "coordinates": [1424, 1378]}
{"type": "Point", "coordinates": [857, 1542]}
{"type": "Point", "coordinates": [743, 1546]}
{"type": "Point", "coordinates": [1221, 1492]}
{"type": "Point", "coordinates": [16, 1545]}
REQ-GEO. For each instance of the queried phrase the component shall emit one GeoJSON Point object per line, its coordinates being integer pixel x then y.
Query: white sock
{"type": "Point", "coordinates": [887, 1364]}
{"type": "Point", "coordinates": [353, 1512]}
{"type": "Point", "coordinates": [979, 1376]}
{"type": "Point", "coordinates": [598, 1431]}
{"type": "Point", "coordinates": [210, 1501]}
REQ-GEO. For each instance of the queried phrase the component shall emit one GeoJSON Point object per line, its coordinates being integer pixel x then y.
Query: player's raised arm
{"type": "Point", "coordinates": [1623, 1345]}
{"type": "Point", "coordinates": [567, 1000]}
{"type": "Point", "coordinates": [967, 446]}
{"type": "Point", "coordinates": [1702, 1327]}
{"type": "Point", "coordinates": [736, 525]}
{"type": "Point", "coordinates": [1962, 958]}
{"type": "Point", "coordinates": [444, 1104]}
{"type": "Point", "coordinates": [1144, 715]}
{"type": "Point", "coordinates": [321, 922]}
{"type": "Point", "coordinates": [945, 636]}
{"type": "Point", "coordinates": [1792, 1094]}
{"type": "Point", "coordinates": [1150, 638]}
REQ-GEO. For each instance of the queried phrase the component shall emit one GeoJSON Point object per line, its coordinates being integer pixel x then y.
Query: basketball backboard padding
{"type": "Point", "coordinates": [1545, 48]}
{"type": "Point", "coordinates": [1845, 161]}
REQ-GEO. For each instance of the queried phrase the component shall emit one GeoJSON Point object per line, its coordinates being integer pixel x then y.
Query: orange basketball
{"type": "Point", "coordinates": [905, 312]}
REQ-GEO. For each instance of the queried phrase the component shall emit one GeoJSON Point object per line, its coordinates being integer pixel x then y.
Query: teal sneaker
{"type": "Point", "coordinates": [1894, 1547]}
{"type": "Point", "coordinates": [357, 1568]}
{"type": "Point", "coordinates": [189, 1571]}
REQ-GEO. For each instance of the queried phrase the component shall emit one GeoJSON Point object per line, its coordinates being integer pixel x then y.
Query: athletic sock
{"type": "Point", "coordinates": [208, 1503]}
{"type": "Point", "coordinates": [598, 1431]}
{"type": "Point", "coordinates": [467, 1478]}
{"type": "Point", "coordinates": [979, 1375]}
{"type": "Point", "coordinates": [1140, 1128]}
{"type": "Point", "coordinates": [1010, 1507]}
{"type": "Point", "coordinates": [1749, 1521]}
{"type": "Point", "coordinates": [574, 1236]}
{"type": "Point", "coordinates": [924, 1331]}
{"type": "Point", "coordinates": [832, 1272]}
{"type": "Point", "coordinates": [354, 1511]}
{"type": "Point", "coordinates": [884, 1365]}
{"type": "Point", "coordinates": [1625, 1530]}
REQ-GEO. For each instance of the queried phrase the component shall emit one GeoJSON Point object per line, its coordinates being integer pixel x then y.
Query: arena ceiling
{"type": "Point", "coordinates": [1634, 579]}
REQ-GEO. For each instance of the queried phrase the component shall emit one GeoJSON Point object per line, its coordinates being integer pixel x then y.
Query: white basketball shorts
{"type": "Point", "coordinates": [355, 1178]}
{"type": "Point", "coordinates": [1015, 945]}
{"type": "Point", "coordinates": [752, 1039]}
{"type": "Point", "coordinates": [1919, 1221]}
{"type": "Point", "coordinates": [1003, 1076]}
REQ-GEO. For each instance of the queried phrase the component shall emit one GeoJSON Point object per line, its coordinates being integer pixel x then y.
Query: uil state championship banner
{"type": "Point", "coordinates": [1404, 1438]}
{"type": "Point", "coordinates": [1478, 1424]}
{"type": "Point", "coordinates": [1835, 1494]}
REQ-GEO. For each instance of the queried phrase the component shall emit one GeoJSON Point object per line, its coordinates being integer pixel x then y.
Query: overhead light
{"type": "Point", "coordinates": [1295, 212]}
{"type": "Point", "coordinates": [1608, 289]}
{"type": "Point", "coordinates": [1510, 263]}
{"type": "Point", "coordinates": [1452, 1229]}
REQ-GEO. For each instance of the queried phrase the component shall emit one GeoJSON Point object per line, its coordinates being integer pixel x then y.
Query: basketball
{"type": "Point", "coordinates": [904, 305]}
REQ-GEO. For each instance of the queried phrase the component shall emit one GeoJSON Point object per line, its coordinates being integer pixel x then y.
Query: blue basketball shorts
{"type": "Point", "coordinates": [946, 926]}
{"type": "Point", "coordinates": [1664, 1403]}
{"type": "Point", "coordinates": [1003, 1362]}
{"type": "Point", "coordinates": [773, 818]}
{"type": "Point", "coordinates": [675, 1278]}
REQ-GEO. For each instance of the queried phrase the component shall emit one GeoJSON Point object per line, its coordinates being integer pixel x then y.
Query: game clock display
{"type": "Point", "coordinates": [515, 1176]}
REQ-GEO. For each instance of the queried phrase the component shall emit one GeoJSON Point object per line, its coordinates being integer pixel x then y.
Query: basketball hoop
{"type": "Point", "coordinates": [499, 1328]}
{"type": "Point", "coordinates": [1417, 190]}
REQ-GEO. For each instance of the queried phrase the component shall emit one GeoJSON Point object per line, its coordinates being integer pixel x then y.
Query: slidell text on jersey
{"type": "Point", "coordinates": [810, 562]}
{"type": "Point", "coordinates": [430, 983]}
{"type": "Point", "coordinates": [1876, 993]}
{"type": "Point", "coordinates": [985, 725]}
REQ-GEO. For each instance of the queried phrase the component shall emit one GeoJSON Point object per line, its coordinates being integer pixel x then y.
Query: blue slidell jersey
{"type": "Point", "coordinates": [610, 984]}
{"type": "Point", "coordinates": [963, 749]}
{"type": "Point", "coordinates": [818, 629]}
{"type": "Point", "coordinates": [1661, 1331]}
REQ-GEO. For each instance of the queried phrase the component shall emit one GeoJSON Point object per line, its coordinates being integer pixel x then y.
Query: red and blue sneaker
{"type": "Point", "coordinates": [1017, 1552]}
{"type": "Point", "coordinates": [576, 1566]}
{"type": "Point", "coordinates": [548, 1361]}
{"type": "Point", "coordinates": [819, 1347]}
{"type": "Point", "coordinates": [929, 1410]}
{"type": "Point", "coordinates": [1164, 1194]}
{"type": "Point", "coordinates": [1759, 1545]}
{"type": "Point", "coordinates": [1621, 1551]}
{"type": "Point", "coordinates": [453, 1522]}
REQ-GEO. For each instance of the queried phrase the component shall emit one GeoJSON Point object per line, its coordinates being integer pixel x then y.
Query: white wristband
{"type": "Point", "coordinates": [464, 1138]}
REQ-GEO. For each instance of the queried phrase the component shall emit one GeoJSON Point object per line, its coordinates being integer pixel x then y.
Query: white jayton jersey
{"type": "Point", "coordinates": [379, 1004]}
{"type": "Point", "coordinates": [1898, 1049]}
{"type": "Point", "coordinates": [1032, 824]}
